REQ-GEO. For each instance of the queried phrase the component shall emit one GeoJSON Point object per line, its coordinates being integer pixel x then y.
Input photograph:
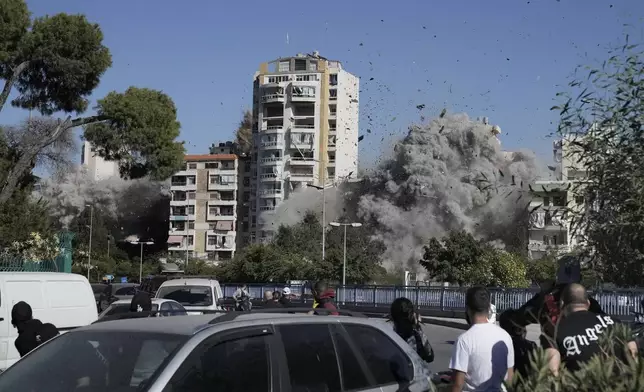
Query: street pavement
{"type": "Point", "coordinates": [442, 340]}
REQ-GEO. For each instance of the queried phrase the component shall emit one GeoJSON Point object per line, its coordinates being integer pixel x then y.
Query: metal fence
{"type": "Point", "coordinates": [617, 303]}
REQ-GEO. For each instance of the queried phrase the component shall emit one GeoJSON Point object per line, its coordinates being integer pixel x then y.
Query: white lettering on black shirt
{"type": "Point", "coordinates": [574, 344]}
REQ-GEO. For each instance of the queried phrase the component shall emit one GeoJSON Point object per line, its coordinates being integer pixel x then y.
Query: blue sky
{"type": "Point", "coordinates": [501, 59]}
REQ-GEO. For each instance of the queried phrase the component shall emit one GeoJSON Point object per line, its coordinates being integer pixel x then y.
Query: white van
{"type": "Point", "coordinates": [195, 294]}
{"type": "Point", "coordinates": [65, 300]}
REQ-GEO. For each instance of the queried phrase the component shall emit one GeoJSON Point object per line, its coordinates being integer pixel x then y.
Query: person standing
{"type": "Point", "coordinates": [31, 332]}
{"type": "Point", "coordinates": [285, 300]}
{"type": "Point", "coordinates": [576, 337]}
{"type": "Point", "coordinates": [407, 326]}
{"type": "Point", "coordinates": [324, 297]}
{"type": "Point", "coordinates": [241, 297]}
{"type": "Point", "coordinates": [523, 347]}
{"type": "Point", "coordinates": [483, 356]}
{"type": "Point", "coordinates": [270, 301]}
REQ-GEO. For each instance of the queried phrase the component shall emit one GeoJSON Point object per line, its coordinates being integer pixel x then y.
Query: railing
{"type": "Point", "coordinates": [616, 303]}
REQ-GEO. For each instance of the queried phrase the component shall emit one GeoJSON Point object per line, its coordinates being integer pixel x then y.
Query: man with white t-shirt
{"type": "Point", "coordinates": [484, 355]}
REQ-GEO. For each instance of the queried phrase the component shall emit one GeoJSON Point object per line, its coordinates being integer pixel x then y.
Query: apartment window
{"type": "Point", "coordinates": [212, 226]}
{"type": "Point", "coordinates": [313, 65]}
{"type": "Point", "coordinates": [246, 181]}
{"type": "Point", "coordinates": [192, 166]}
{"type": "Point", "coordinates": [191, 210]}
{"type": "Point", "coordinates": [191, 180]}
{"type": "Point", "coordinates": [546, 201]}
{"type": "Point", "coordinates": [212, 165]}
{"type": "Point", "coordinates": [333, 110]}
{"type": "Point", "coordinates": [212, 240]}
{"type": "Point", "coordinates": [213, 210]}
{"type": "Point", "coordinates": [333, 79]}
{"type": "Point", "coordinates": [246, 196]}
{"type": "Point", "coordinates": [227, 180]}
{"type": "Point", "coordinates": [191, 240]}
{"type": "Point", "coordinates": [300, 64]}
{"type": "Point", "coordinates": [333, 94]}
{"type": "Point", "coordinates": [579, 200]}
{"type": "Point", "coordinates": [284, 66]}
{"type": "Point", "coordinates": [558, 201]}
{"type": "Point", "coordinates": [214, 196]}
{"type": "Point", "coordinates": [192, 195]}
{"type": "Point", "coordinates": [191, 225]}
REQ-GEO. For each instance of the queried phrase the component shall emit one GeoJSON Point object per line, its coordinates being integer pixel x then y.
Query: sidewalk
{"type": "Point", "coordinates": [533, 329]}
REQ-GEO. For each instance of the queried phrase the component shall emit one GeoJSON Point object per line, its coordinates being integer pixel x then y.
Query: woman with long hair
{"type": "Point", "coordinates": [407, 325]}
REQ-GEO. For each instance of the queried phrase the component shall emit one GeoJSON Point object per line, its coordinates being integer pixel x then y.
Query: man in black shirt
{"type": "Point", "coordinates": [578, 331]}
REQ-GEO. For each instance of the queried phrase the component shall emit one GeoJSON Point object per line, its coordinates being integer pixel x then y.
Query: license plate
{"type": "Point", "coordinates": [194, 313]}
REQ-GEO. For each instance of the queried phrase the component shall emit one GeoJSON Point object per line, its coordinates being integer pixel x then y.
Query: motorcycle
{"type": "Point", "coordinates": [244, 304]}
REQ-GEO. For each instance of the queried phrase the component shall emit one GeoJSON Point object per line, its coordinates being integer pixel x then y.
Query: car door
{"type": "Point", "coordinates": [318, 358]}
{"type": "Point", "coordinates": [233, 361]}
{"type": "Point", "coordinates": [390, 365]}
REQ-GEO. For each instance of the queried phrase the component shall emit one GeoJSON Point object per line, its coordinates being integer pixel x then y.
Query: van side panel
{"type": "Point", "coordinates": [69, 302]}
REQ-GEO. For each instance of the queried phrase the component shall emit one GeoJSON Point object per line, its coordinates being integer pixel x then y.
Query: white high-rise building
{"type": "Point", "coordinates": [305, 130]}
{"type": "Point", "coordinates": [97, 167]}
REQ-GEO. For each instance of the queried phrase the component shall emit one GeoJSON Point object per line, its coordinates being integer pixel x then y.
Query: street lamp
{"type": "Point", "coordinates": [91, 226]}
{"type": "Point", "coordinates": [344, 258]}
{"type": "Point", "coordinates": [322, 188]}
{"type": "Point", "coordinates": [139, 242]}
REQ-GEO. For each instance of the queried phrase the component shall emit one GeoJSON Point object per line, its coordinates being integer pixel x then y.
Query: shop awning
{"type": "Point", "coordinates": [175, 239]}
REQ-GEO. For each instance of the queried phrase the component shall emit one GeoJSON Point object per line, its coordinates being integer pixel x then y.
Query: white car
{"type": "Point", "coordinates": [165, 307]}
{"type": "Point", "coordinates": [195, 294]}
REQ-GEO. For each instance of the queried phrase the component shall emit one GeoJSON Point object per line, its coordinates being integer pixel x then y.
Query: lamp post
{"type": "Point", "coordinates": [344, 258]}
{"type": "Point", "coordinates": [91, 227]}
{"type": "Point", "coordinates": [139, 242]}
{"type": "Point", "coordinates": [322, 188]}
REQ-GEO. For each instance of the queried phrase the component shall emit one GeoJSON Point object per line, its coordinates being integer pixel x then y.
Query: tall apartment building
{"type": "Point", "coordinates": [204, 207]}
{"type": "Point", "coordinates": [305, 130]}
{"type": "Point", "coordinates": [550, 228]}
{"type": "Point", "coordinates": [97, 167]}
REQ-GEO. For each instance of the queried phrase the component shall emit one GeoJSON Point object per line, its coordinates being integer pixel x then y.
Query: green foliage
{"type": "Point", "coordinates": [295, 254]}
{"type": "Point", "coordinates": [140, 133]}
{"type": "Point", "coordinates": [244, 133]}
{"type": "Point", "coordinates": [543, 269]}
{"type": "Point", "coordinates": [603, 109]}
{"type": "Point", "coordinates": [64, 58]}
{"type": "Point", "coordinates": [605, 372]}
{"type": "Point", "coordinates": [14, 23]}
{"type": "Point", "coordinates": [460, 258]}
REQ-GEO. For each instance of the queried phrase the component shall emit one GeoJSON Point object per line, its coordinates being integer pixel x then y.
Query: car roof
{"type": "Point", "coordinates": [157, 301]}
{"type": "Point", "coordinates": [190, 325]}
{"type": "Point", "coordinates": [189, 282]}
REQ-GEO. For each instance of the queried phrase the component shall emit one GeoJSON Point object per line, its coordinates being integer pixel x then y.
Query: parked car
{"type": "Point", "coordinates": [62, 299]}
{"type": "Point", "coordinates": [195, 294]}
{"type": "Point", "coordinates": [164, 307]}
{"type": "Point", "coordinates": [263, 351]}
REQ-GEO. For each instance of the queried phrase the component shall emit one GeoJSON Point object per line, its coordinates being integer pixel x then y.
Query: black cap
{"type": "Point", "coordinates": [141, 300]}
{"type": "Point", "coordinates": [21, 312]}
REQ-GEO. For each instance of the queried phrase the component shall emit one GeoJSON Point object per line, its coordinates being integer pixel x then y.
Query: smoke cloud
{"type": "Point", "coordinates": [129, 202]}
{"type": "Point", "coordinates": [449, 174]}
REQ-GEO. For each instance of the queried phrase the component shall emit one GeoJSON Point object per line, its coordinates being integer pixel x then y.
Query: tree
{"type": "Point", "coordinates": [601, 123]}
{"type": "Point", "coordinates": [460, 258]}
{"type": "Point", "coordinates": [244, 133]}
{"type": "Point", "coordinates": [55, 63]}
{"type": "Point", "coordinates": [543, 269]}
{"type": "Point", "coordinates": [265, 263]}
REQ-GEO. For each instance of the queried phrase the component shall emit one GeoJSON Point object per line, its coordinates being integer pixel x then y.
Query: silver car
{"type": "Point", "coordinates": [256, 352]}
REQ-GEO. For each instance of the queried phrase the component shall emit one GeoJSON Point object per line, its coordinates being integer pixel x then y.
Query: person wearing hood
{"type": "Point", "coordinates": [141, 304]}
{"type": "Point", "coordinates": [31, 332]}
{"type": "Point", "coordinates": [324, 297]}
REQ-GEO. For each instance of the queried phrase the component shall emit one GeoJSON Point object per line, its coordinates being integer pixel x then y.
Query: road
{"type": "Point", "coordinates": [442, 340]}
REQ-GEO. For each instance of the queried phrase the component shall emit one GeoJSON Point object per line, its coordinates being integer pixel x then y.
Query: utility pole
{"type": "Point", "coordinates": [91, 226]}
{"type": "Point", "coordinates": [344, 258]}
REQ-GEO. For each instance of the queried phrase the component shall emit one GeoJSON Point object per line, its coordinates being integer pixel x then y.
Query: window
{"type": "Point", "coordinates": [246, 181]}
{"type": "Point", "coordinates": [300, 65]}
{"type": "Point", "coordinates": [165, 309]}
{"type": "Point", "coordinates": [212, 165]}
{"type": "Point", "coordinates": [246, 196]}
{"type": "Point", "coordinates": [284, 66]}
{"type": "Point", "coordinates": [237, 366]}
{"type": "Point", "coordinates": [191, 210]}
{"type": "Point", "coordinates": [76, 358]}
{"type": "Point", "coordinates": [191, 225]}
{"type": "Point", "coordinates": [212, 240]}
{"type": "Point", "coordinates": [187, 295]}
{"type": "Point", "coordinates": [546, 201]}
{"type": "Point", "coordinates": [579, 200]}
{"type": "Point", "coordinates": [353, 376]}
{"type": "Point", "coordinates": [312, 364]}
{"type": "Point", "coordinates": [387, 362]}
{"type": "Point", "coordinates": [191, 180]}
{"type": "Point", "coordinates": [126, 291]}
{"type": "Point", "coordinates": [191, 240]}
{"type": "Point", "coordinates": [313, 65]}
{"type": "Point", "coordinates": [214, 196]}
{"type": "Point", "coordinates": [192, 166]}
{"type": "Point", "coordinates": [192, 195]}
{"type": "Point", "coordinates": [333, 79]}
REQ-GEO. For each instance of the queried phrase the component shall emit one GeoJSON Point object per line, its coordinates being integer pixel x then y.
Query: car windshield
{"type": "Point", "coordinates": [187, 295]}
{"type": "Point", "coordinates": [93, 361]}
{"type": "Point", "coordinates": [123, 308]}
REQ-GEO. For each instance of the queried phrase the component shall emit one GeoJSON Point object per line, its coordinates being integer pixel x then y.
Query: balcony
{"type": "Point", "coordinates": [178, 218]}
{"type": "Point", "coordinates": [303, 96]}
{"type": "Point", "coordinates": [302, 161]}
{"type": "Point", "coordinates": [221, 216]}
{"type": "Point", "coordinates": [222, 202]}
{"type": "Point", "coordinates": [332, 131]}
{"type": "Point", "coordinates": [333, 114]}
{"type": "Point", "coordinates": [266, 177]}
{"type": "Point", "coordinates": [180, 202]}
{"type": "Point", "coordinates": [270, 161]}
{"type": "Point", "coordinates": [271, 98]}
{"type": "Point", "coordinates": [267, 208]}
{"type": "Point", "coordinates": [303, 128]}
{"type": "Point", "coordinates": [273, 144]}
{"type": "Point", "coordinates": [302, 176]}
{"type": "Point", "coordinates": [273, 129]}
{"type": "Point", "coordinates": [220, 246]}
{"type": "Point", "coordinates": [183, 186]}
{"type": "Point", "coordinates": [222, 186]}
{"type": "Point", "coordinates": [270, 192]}
{"type": "Point", "coordinates": [540, 246]}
